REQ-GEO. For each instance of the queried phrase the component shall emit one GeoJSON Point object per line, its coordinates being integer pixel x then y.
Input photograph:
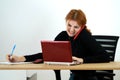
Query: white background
{"type": "Point", "coordinates": [26, 22]}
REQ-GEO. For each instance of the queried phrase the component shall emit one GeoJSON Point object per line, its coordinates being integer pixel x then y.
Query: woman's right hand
{"type": "Point", "coordinates": [15, 58]}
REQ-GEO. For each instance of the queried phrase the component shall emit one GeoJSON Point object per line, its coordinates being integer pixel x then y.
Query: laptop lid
{"type": "Point", "coordinates": [56, 51]}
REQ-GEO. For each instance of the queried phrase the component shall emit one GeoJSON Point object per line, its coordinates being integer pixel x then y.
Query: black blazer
{"type": "Point", "coordinates": [85, 46]}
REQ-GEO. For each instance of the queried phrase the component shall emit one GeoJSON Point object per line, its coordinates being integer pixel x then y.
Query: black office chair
{"type": "Point", "coordinates": [109, 43]}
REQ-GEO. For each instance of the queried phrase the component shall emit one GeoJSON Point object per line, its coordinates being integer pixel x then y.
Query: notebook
{"type": "Point", "coordinates": [57, 52]}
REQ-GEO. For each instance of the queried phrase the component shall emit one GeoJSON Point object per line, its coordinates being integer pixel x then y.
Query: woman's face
{"type": "Point", "coordinates": [72, 27]}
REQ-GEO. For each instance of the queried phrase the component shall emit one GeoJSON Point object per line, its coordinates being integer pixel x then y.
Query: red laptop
{"type": "Point", "coordinates": [57, 52]}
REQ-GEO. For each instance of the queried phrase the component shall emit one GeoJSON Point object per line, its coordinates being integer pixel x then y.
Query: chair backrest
{"type": "Point", "coordinates": [109, 43]}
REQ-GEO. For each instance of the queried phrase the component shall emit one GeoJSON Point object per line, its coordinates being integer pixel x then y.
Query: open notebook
{"type": "Point", "coordinates": [57, 52]}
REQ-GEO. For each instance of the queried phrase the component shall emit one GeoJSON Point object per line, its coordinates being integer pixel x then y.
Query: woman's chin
{"type": "Point", "coordinates": [71, 35]}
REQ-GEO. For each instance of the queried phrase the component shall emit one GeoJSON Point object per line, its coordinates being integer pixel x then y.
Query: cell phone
{"type": "Point", "coordinates": [79, 32]}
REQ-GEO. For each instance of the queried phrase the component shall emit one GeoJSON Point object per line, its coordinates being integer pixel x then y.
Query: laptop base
{"type": "Point", "coordinates": [62, 63]}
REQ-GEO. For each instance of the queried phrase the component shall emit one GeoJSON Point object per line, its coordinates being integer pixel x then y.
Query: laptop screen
{"type": "Point", "coordinates": [56, 51]}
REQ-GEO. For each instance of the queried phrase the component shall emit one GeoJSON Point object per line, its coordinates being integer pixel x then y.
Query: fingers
{"type": "Point", "coordinates": [79, 60]}
{"type": "Point", "coordinates": [74, 58]}
{"type": "Point", "coordinates": [10, 58]}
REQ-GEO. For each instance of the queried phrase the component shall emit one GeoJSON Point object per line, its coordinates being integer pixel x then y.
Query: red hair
{"type": "Point", "coordinates": [78, 16]}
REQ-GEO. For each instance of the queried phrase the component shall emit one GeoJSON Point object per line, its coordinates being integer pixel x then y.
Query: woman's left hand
{"type": "Point", "coordinates": [78, 60]}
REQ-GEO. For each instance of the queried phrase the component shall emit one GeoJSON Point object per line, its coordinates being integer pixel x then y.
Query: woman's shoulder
{"type": "Point", "coordinates": [86, 37]}
{"type": "Point", "coordinates": [61, 36]}
{"type": "Point", "coordinates": [62, 33]}
{"type": "Point", "coordinates": [85, 34]}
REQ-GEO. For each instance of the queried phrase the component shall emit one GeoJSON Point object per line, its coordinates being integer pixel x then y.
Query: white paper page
{"type": "Point", "coordinates": [15, 62]}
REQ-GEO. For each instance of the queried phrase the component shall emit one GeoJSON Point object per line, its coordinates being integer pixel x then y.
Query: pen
{"type": "Point", "coordinates": [13, 50]}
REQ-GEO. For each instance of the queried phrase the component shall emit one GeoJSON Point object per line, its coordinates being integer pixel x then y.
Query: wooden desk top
{"type": "Point", "coordinates": [87, 66]}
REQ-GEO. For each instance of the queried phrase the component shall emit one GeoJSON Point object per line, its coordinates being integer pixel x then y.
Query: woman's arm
{"type": "Point", "coordinates": [33, 57]}
{"type": "Point", "coordinates": [26, 58]}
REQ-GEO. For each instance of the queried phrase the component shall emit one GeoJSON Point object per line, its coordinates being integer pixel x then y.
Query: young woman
{"type": "Point", "coordinates": [85, 49]}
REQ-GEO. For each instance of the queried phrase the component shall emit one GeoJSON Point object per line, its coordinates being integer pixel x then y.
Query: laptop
{"type": "Point", "coordinates": [57, 52]}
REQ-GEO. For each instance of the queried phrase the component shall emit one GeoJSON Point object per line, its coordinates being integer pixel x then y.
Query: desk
{"type": "Point", "coordinates": [87, 66]}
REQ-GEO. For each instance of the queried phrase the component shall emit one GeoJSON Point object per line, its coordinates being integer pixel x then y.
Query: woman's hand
{"type": "Point", "coordinates": [78, 60]}
{"type": "Point", "coordinates": [15, 58]}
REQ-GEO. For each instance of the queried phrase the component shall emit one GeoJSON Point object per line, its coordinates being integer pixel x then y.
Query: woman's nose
{"type": "Point", "coordinates": [72, 29]}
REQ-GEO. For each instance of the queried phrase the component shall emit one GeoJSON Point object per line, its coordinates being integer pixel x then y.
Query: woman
{"type": "Point", "coordinates": [85, 49]}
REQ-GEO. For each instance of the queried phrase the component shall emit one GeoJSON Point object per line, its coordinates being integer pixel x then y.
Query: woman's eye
{"type": "Point", "coordinates": [76, 27]}
{"type": "Point", "coordinates": [69, 25]}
